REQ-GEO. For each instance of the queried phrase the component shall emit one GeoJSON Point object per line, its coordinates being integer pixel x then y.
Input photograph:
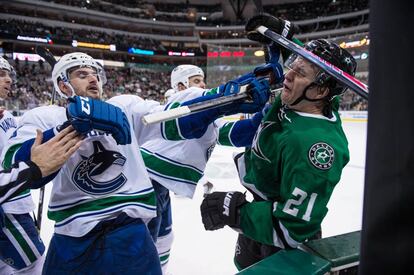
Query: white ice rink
{"type": "Point", "coordinates": [196, 251]}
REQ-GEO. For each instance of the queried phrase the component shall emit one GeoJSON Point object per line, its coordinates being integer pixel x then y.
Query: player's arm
{"type": "Point", "coordinates": [195, 125]}
{"type": "Point", "coordinates": [84, 114]}
{"type": "Point", "coordinates": [17, 179]}
{"type": "Point", "coordinates": [46, 159]}
{"type": "Point", "coordinates": [284, 223]}
{"type": "Point", "coordinates": [239, 133]}
{"type": "Point", "coordinates": [294, 218]}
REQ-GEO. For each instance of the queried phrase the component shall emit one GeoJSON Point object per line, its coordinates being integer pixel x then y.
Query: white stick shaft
{"type": "Point", "coordinates": [166, 115]}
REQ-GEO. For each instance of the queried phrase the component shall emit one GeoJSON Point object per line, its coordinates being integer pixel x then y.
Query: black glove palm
{"type": "Point", "coordinates": [222, 208]}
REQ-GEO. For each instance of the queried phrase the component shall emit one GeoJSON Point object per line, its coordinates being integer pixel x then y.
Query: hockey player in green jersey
{"type": "Point", "coordinates": [293, 165]}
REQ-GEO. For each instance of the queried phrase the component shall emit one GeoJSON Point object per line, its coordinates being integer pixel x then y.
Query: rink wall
{"type": "Point", "coordinates": [354, 116]}
{"type": "Point", "coordinates": [346, 116]}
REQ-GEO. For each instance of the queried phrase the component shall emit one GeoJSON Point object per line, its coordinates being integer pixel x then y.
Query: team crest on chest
{"type": "Point", "coordinates": [89, 174]}
{"type": "Point", "coordinates": [321, 155]}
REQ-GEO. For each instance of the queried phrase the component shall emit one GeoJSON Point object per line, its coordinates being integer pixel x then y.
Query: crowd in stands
{"type": "Point", "coordinates": [137, 39]}
{"type": "Point", "coordinates": [34, 86]}
{"type": "Point", "coordinates": [316, 8]}
{"type": "Point", "coordinates": [352, 101]}
{"type": "Point", "coordinates": [178, 12]}
{"type": "Point", "coordinates": [18, 27]}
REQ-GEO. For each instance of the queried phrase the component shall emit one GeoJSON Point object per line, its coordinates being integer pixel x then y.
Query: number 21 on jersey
{"type": "Point", "coordinates": [291, 206]}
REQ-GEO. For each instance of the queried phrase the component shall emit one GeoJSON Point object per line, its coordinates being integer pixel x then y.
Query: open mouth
{"type": "Point", "coordinates": [286, 87]}
{"type": "Point", "coordinates": [93, 88]}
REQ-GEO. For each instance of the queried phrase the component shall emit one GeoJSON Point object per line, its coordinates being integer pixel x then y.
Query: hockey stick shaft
{"type": "Point", "coordinates": [354, 84]}
{"type": "Point", "coordinates": [194, 108]}
{"type": "Point", "coordinates": [43, 52]}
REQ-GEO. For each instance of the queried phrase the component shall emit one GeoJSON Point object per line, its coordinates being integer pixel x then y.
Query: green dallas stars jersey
{"type": "Point", "coordinates": [295, 162]}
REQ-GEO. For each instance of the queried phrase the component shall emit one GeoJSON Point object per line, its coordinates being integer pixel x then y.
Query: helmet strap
{"type": "Point", "coordinates": [303, 96]}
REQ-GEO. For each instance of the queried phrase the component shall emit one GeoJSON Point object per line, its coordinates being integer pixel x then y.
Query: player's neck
{"type": "Point", "coordinates": [307, 107]}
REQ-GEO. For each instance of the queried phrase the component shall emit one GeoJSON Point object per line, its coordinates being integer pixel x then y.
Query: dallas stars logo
{"type": "Point", "coordinates": [321, 155]}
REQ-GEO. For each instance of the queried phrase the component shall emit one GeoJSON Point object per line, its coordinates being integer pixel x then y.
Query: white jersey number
{"type": "Point", "coordinates": [86, 108]}
{"type": "Point", "coordinates": [301, 195]}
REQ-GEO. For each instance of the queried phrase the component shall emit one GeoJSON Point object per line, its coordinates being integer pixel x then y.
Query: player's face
{"type": "Point", "coordinates": [196, 81]}
{"type": "Point", "coordinates": [5, 83]}
{"type": "Point", "coordinates": [86, 82]}
{"type": "Point", "coordinates": [301, 73]}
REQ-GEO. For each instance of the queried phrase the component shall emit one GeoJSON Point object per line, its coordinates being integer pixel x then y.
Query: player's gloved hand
{"type": "Point", "coordinates": [257, 89]}
{"type": "Point", "coordinates": [195, 125]}
{"type": "Point", "coordinates": [272, 67]}
{"type": "Point", "coordinates": [86, 114]}
{"type": "Point", "coordinates": [222, 208]}
{"type": "Point", "coordinates": [280, 26]}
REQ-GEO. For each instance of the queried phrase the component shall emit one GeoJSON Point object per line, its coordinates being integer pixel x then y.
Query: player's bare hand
{"type": "Point", "coordinates": [51, 155]}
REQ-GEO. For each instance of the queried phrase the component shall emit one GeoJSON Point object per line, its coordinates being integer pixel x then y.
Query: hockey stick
{"type": "Point", "coordinates": [43, 52]}
{"type": "Point", "coordinates": [196, 107]}
{"type": "Point", "coordinates": [357, 86]}
{"type": "Point", "coordinates": [46, 55]}
{"type": "Point", "coordinates": [193, 108]}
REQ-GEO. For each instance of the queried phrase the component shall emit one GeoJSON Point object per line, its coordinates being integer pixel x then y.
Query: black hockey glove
{"type": "Point", "coordinates": [280, 26]}
{"type": "Point", "coordinates": [86, 114]}
{"type": "Point", "coordinates": [222, 208]}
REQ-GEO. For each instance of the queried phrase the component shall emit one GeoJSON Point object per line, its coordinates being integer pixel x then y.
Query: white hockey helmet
{"type": "Point", "coordinates": [182, 74]}
{"type": "Point", "coordinates": [169, 93]}
{"type": "Point", "coordinates": [73, 60]}
{"type": "Point", "coordinates": [5, 65]}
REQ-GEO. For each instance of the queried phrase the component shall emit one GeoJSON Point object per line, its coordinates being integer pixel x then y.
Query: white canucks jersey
{"type": "Point", "coordinates": [179, 164]}
{"type": "Point", "coordinates": [101, 179]}
{"type": "Point", "coordinates": [23, 202]}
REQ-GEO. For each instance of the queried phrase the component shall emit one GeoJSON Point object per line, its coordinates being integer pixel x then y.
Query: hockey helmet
{"type": "Point", "coordinates": [70, 61]}
{"type": "Point", "coordinates": [183, 73]}
{"type": "Point", "coordinates": [5, 65]}
{"type": "Point", "coordinates": [335, 55]}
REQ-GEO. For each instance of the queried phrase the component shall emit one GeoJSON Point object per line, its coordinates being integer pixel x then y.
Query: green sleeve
{"type": "Point", "coordinates": [256, 221]}
{"type": "Point", "coordinates": [170, 129]}
{"type": "Point", "coordinates": [224, 134]}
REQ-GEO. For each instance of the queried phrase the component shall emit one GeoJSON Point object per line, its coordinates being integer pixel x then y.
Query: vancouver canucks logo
{"type": "Point", "coordinates": [321, 155]}
{"type": "Point", "coordinates": [88, 175]}
{"type": "Point", "coordinates": [256, 149]}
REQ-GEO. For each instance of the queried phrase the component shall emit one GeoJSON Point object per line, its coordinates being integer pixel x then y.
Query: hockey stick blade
{"type": "Point", "coordinates": [193, 108]}
{"type": "Point", "coordinates": [43, 52]}
{"type": "Point", "coordinates": [351, 82]}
